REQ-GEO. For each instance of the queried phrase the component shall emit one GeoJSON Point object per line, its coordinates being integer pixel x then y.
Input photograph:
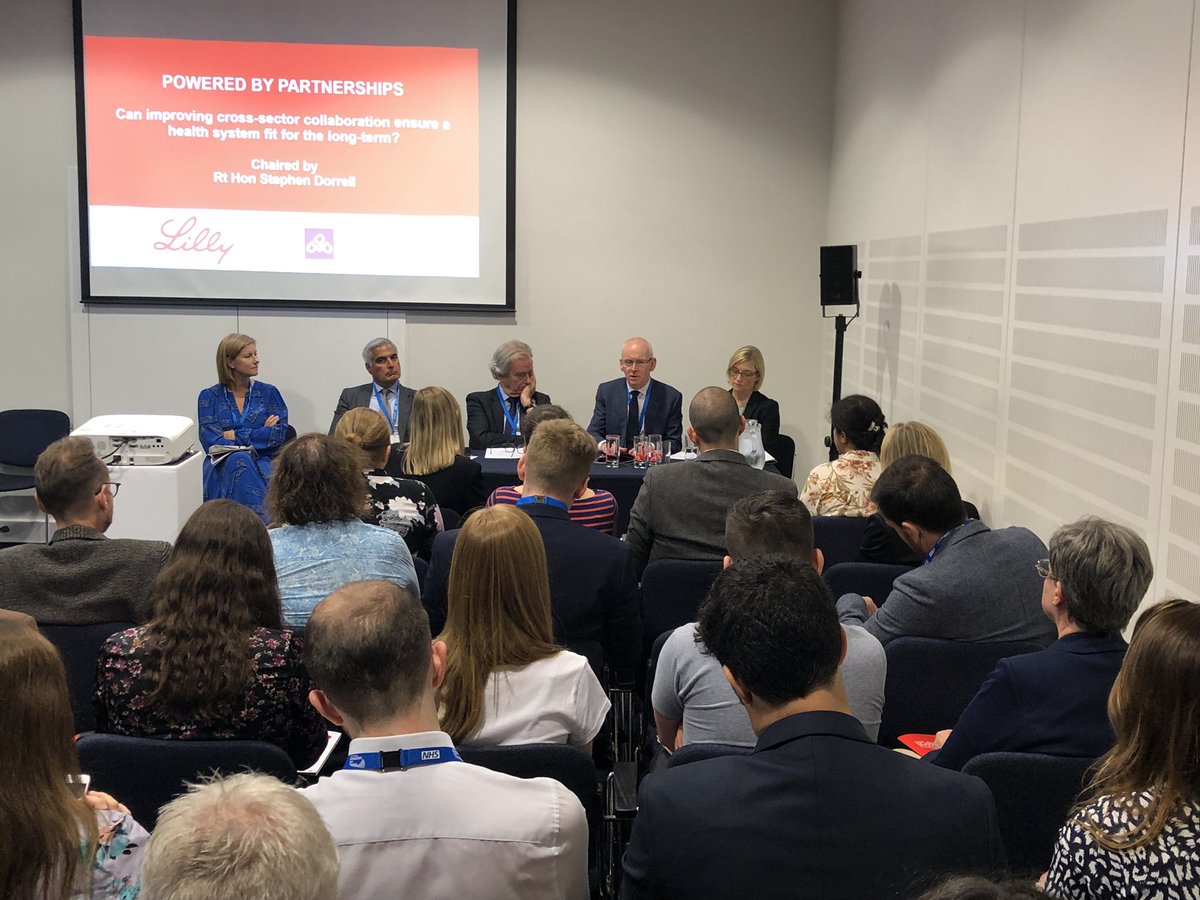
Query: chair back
{"type": "Point", "coordinates": [671, 593]}
{"type": "Point", "coordinates": [930, 682]}
{"type": "Point", "coordinates": [783, 448]}
{"type": "Point", "coordinates": [79, 646]}
{"type": "Point", "coordinates": [422, 569]}
{"type": "Point", "coordinates": [1034, 794]}
{"type": "Point", "coordinates": [839, 538]}
{"type": "Point", "coordinates": [25, 433]}
{"type": "Point", "coordinates": [872, 580]}
{"type": "Point", "coordinates": [450, 519]}
{"type": "Point", "coordinates": [705, 750]}
{"type": "Point", "coordinates": [146, 773]}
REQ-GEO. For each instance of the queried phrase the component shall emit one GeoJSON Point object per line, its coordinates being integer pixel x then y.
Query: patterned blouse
{"type": "Point", "coordinates": [599, 512]}
{"type": "Point", "coordinates": [275, 708]}
{"type": "Point", "coordinates": [842, 487]}
{"type": "Point", "coordinates": [407, 507]}
{"type": "Point", "coordinates": [117, 865]}
{"type": "Point", "coordinates": [1168, 868]}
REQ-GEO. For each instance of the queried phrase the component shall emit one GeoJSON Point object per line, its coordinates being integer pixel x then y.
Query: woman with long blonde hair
{"type": "Point", "coordinates": [506, 680]}
{"type": "Point", "coordinates": [434, 453]}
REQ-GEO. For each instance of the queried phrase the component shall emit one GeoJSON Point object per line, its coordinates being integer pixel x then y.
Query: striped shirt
{"type": "Point", "coordinates": [599, 511]}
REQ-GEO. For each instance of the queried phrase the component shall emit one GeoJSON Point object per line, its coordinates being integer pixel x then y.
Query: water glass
{"type": "Point", "coordinates": [641, 452]}
{"type": "Point", "coordinates": [612, 450]}
{"type": "Point", "coordinates": [654, 449]}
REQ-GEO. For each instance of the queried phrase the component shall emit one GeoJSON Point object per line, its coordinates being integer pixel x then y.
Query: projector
{"type": "Point", "coordinates": [130, 440]}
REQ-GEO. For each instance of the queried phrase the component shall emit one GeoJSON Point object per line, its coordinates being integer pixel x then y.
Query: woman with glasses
{"type": "Point", "coordinates": [746, 372]}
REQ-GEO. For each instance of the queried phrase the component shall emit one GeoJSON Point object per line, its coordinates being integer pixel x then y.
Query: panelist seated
{"type": "Point", "coordinates": [496, 417]}
{"type": "Point", "coordinates": [383, 393]}
{"type": "Point", "coordinates": [746, 373]}
{"type": "Point", "coordinates": [240, 412]}
{"type": "Point", "coordinates": [638, 404]}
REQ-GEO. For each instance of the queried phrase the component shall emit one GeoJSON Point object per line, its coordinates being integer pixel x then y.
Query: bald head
{"type": "Point", "coordinates": [637, 362]}
{"type": "Point", "coordinates": [715, 420]}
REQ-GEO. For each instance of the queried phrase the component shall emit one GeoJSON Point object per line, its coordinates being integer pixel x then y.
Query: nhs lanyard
{"type": "Point", "coordinates": [514, 421]}
{"type": "Point", "coordinates": [938, 546]}
{"type": "Point", "coordinates": [645, 404]}
{"type": "Point", "coordinates": [239, 418]}
{"type": "Point", "coordinates": [393, 414]}
{"type": "Point", "coordinates": [401, 759]}
{"type": "Point", "coordinates": [545, 501]}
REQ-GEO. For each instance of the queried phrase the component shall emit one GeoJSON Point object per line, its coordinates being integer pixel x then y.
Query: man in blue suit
{"type": "Point", "coordinates": [637, 404]}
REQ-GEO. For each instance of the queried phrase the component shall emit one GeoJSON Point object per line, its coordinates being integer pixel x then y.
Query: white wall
{"type": "Point", "coordinates": [1028, 215]}
{"type": "Point", "coordinates": [671, 180]}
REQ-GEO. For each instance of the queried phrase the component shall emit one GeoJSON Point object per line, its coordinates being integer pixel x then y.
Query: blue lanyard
{"type": "Point", "coordinates": [401, 759]}
{"type": "Point", "coordinates": [514, 421]}
{"type": "Point", "coordinates": [936, 547]}
{"type": "Point", "coordinates": [393, 414]}
{"type": "Point", "coordinates": [239, 418]}
{"type": "Point", "coordinates": [645, 404]}
{"type": "Point", "coordinates": [545, 501]}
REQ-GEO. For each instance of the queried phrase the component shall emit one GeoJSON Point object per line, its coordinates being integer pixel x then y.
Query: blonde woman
{"type": "Point", "coordinates": [434, 453]}
{"type": "Point", "coordinates": [506, 680]}
{"type": "Point", "coordinates": [747, 370]}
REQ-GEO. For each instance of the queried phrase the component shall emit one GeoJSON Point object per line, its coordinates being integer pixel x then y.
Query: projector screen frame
{"type": "Point", "coordinates": [158, 302]}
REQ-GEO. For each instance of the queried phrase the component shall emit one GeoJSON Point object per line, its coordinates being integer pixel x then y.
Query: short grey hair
{"type": "Point", "coordinates": [1104, 570]}
{"type": "Point", "coordinates": [505, 355]}
{"type": "Point", "coordinates": [246, 835]}
{"type": "Point", "coordinates": [368, 353]}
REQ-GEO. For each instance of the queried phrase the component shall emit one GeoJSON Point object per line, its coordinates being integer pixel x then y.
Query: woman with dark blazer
{"type": "Point", "coordinates": [747, 371]}
{"type": "Point", "coordinates": [434, 453]}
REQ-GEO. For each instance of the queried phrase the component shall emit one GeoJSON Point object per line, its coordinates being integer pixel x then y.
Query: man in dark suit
{"type": "Point", "coordinates": [593, 589]}
{"type": "Point", "coordinates": [383, 393]}
{"type": "Point", "coordinates": [801, 815]}
{"type": "Point", "coordinates": [681, 508]}
{"type": "Point", "coordinates": [638, 404]}
{"type": "Point", "coordinates": [495, 417]}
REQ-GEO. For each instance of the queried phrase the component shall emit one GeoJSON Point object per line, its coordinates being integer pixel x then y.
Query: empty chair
{"type": "Point", "coordinates": [79, 646]}
{"type": "Point", "coordinates": [24, 434]}
{"type": "Point", "coordinates": [930, 682]}
{"type": "Point", "coordinates": [1034, 794]}
{"type": "Point", "coordinates": [783, 448]}
{"type": "Point", "coordinates": [671, 593]}
{"type": "Point", "coordinates": [839, 537]}
{"type": "Point", "coordinates": [872, 580]}
{"type": "Point", "coordinates": [708, 750]}
{"type": "Point", "coordinates": [146, 773]}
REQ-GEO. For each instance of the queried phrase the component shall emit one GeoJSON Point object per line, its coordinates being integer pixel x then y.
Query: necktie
{"type": "Point", "coordinates": [512, 412]}
{"type": "Point", "coordinates": [631, 421]}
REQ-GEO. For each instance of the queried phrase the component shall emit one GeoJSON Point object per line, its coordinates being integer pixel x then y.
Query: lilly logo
{"type": "Point", "coordinates": [355, 762]}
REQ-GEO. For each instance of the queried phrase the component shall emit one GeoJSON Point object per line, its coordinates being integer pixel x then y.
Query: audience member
{"type": "Point", "coordinates": [1136, 835]}
{"type": "Point", "coordinates": [843, 487]}
{"type": "Point", "coordinates": [320, 543]}
{"type": "Point", "coordinates": [595, 508]}
{"type": "Point", "coordinates": [506, 681]}
{"type": "Point", "coordinates": [248, 417]}
{"type": "Point", "coordinates": [56, 844]}
{"type": "Point", "coordinates": [80, 577]}
{"type": "Point", "coordinates": [435, 454]}
{"type": "Point", "coordinates": [496, 417]}
{"type": "Point", "coordinates": [408, 816]}
{"type": "Point", "coordinates": [593, 589]}
{"type": "Point", "coordinates": [383, 393]}
{"type": "Point", "coordinates": [692, 700]}
{"type": "Point", "coordinates": [680, 510]}
{"type": "Point", "coordinates": [804, 813]}
{"type": "Point", "coordinates": [637, 404]}
{"type": "Point", "coordinates": [1055, 701]}
{"type": "Point", "coordinates": [746, 372]}
{"type": "Point", "coordinates": [404, 505]}
{"type": "Point", "coordinates": [238, 837]}
{"type": "Point", "coordinates": [213, 662]}
{"type": "Point", "coordinates": [975, 585]}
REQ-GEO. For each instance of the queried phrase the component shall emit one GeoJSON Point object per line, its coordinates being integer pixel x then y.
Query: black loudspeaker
{"type": "Point", "coordinates": [839, 275]}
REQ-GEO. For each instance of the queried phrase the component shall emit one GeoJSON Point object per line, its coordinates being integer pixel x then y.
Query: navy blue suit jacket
{"type": "Point", "coordinates": [801, 816]}
{"type": "Point", "coordinates": [1054, 701]}
{"type": "Point", "coordinates": [486, 419]}
{"type": "Point", "coordinates": [664, 414]}
{"type": "Point", "coordinates": [593, 590]}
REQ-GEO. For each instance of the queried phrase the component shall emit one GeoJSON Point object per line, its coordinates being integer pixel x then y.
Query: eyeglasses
{"type": "Point", "coordinates": [742, 373]}
{"type": "Point", "coordinates": [1043, 568]}
{"type": "Point", "coordinates": [630, 363]}
{"type": "Point", "coordinates": [113, 487]}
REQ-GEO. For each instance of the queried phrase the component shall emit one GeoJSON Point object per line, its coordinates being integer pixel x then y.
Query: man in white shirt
{"type": "Point", "coordinates": [408, 816]}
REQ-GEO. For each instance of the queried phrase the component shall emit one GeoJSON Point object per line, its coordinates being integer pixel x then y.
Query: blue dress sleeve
{"type": "Point", "coordinates": [265, 402]}
{"type": "Point", "coordinates": [212, 417]}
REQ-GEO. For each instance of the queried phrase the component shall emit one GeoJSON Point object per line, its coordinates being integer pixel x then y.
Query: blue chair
{"type": "Point", "coordinates": [872, 580]}
{"type": "Point", "coordinates": [783, 448]}
{"type": "Point", "coordinates": [930, 682]}
{"type": "Point", "coordinates": [705, 750]}
{"type": "Point", "coordinates": [24, 434]}
{"type": "Point", "coordinates": [671, 593]}
{"type": "Point", "coordinates": [147, 773]}
{"type": "Point", "coordinates": [422, 568]}
{"type": "Point", "coordinates": [1034, 794]}
{"type": "Point", "coordinates": [79, 646]}
{"type": "Point", "coordinates": [839, 538]}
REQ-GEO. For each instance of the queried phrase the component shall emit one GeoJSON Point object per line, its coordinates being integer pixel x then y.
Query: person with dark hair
{"type": "Point", "coordinates": [317, 496]}
{"type": "Point", "coordinates": [383, 393]}
{"type": "Point", "coordinates": [594, 509]}
{"type": "Point", "coordinates": [80, 577]}
{"type": "Point", "coordinates": [496, 417]}
{"type": "Point", "coordinates": [788, 820]}
{"type": "Point", "coordinates": [843, 487]}
{"type": "Point", "coordinates": [1134, 835]}
{"type": "Point", "coordinates": [408, 816]}
{"type": "Point", "coordinates": [680, 509]}
{"type": "Point", "coordinates": [1055, 701]}
{"type": "Point", "coordinates": [975, 584]}
{"type": "Point", "coordinates": [692, 700]}
{"type": "Point", "coordinates": [214, 662]}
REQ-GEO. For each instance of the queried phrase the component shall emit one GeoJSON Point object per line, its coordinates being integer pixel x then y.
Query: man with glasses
{"type": "Point", "coordinates": [80, 577]}
{"type": "Point", "coordinates": [638, 404]}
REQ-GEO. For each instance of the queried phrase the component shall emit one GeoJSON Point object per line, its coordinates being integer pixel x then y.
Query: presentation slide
{"type": "Point", "coordinates": [278, 171]}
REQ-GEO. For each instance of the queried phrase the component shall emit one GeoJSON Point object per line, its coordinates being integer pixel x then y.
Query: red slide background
{"type": "Point", "coordinates": [135, 163]}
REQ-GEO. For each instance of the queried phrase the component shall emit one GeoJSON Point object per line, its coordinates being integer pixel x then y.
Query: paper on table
{"type": "Point", "coordinates": [504, 452]}
{"type": "Point", "coordinates": [680, 455]}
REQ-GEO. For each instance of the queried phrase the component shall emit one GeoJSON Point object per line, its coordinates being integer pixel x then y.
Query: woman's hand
{"type": "Point", "coordinates": [98, 800]}
{"type": "Point", "coordinates": [271, 420]}
{"type": "Point", "coordinates": [229, 435]}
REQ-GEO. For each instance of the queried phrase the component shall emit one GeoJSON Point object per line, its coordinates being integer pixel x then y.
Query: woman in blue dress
{"type": "Point", "coordinates": [242, 413]}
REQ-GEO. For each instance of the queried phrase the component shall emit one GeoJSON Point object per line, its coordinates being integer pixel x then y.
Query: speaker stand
{"type": "Point", "coordinates": [840, 323]}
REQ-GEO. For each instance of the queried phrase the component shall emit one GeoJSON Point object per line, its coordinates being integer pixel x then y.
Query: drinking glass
{"type": "Point", "coordinates": [641, 452]}
{"type": "Point", "coordinates": [654, 449]}
{"type": "Point", "coordinates": [612, 450]}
